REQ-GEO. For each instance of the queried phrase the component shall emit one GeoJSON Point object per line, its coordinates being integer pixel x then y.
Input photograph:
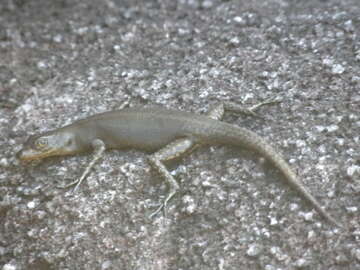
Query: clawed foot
{"type": "Point", "coordinates": [75, 183]}
{"type": "Point", "coordinates": [237, 108]}
{"type": "Point", "coordinates": [252, 110]}
{"type": "Point", "coordinates": [269, 101]}
{"type": "Point", "coordinates": [160, 208]}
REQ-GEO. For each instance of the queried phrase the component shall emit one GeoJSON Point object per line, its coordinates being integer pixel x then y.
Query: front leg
{"type": "Point", "coordinates": [99, 149]}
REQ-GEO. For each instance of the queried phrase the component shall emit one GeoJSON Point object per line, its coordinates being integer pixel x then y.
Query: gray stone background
{"type": "Point", "coordinates": [64, 60]}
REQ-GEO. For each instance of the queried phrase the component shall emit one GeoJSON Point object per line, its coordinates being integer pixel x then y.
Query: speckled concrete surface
{"type": "Point", "coordinates": [64, 60]}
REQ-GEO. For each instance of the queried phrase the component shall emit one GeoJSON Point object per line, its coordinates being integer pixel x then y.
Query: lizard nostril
{"type": "Point", "coordinates": [19, 154]}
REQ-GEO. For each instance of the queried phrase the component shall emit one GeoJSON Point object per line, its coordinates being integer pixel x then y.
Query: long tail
{"type": "Point", "coordinates": [229, 134]}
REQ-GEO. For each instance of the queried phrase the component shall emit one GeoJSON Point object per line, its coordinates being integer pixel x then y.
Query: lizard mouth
{"type": "Point", "coordinates": [29, 155]}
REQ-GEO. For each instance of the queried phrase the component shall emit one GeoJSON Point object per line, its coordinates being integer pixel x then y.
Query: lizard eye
{"type": "Point", "coordinates": [41, 143]}
{"type": "Point", "coordinates": [69, 142]}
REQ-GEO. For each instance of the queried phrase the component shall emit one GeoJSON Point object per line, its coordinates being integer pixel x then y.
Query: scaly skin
{"type": "Point", "coordinates": [171, 132]}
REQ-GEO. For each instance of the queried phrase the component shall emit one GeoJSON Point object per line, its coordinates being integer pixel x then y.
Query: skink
{"type": "Point", "coordinates": [168, 132]}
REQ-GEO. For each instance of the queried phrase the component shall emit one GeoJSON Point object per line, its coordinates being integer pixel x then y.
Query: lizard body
{"type": "Point", "coordinates": [171, 133]}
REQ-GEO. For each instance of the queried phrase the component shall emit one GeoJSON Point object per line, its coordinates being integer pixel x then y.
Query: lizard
{"type": "Point", "coordinates": [166, 134]}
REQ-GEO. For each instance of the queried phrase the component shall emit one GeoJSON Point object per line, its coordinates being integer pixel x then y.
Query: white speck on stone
{"type": "Point", "coordinates": [322, 149]}
{"type": "Point", "coordinates": [357, 254]}
{"type": "Point", "coordinates": [301, 263]}
{"type": "Point", "coordinates": [235, 41]}
{"type": "Point", "coordinates": [203, 71]}
{"type": "Point", "coordinates": [64, 99]}
{"type": "Point", "coordinates": [357, 55]}
{"type": "Point", "coordinates": [278, 253]}
{"type": "Point", "coordinates": [332, 128]}
{"type": "Point", "coordinates": [9, 266]}
{"type": "Point", "coordinates": [270, 267]}
{"type": "Point", "coordinates": [62, 253]}
{"type": "Point", "coordinates": [106, 265]}
{"type": "Point", "coordinates": [331, 194]}
{"type": "Point", "coordinates": [207, 183]}
{"type": "Point", "coordinates": [4, 162]}
{"type": "Point", "coordinates": [337, 69]}
{"type": "Point", "coordinates": [273, 221]}
{"type": "Point", "coordinates": [82, 30]}
{"type": "Point", "coordinates": [183, 31]}
{"type": "Point", "coordinates": [352, 170]}
{"type": "Point", "coordinates": [340, 141]}
{"type": "Point", "coordinates": [215, 72]}
{"type": "Point", "coordinates": [32, 233]}
{"type": "Point", "coordinates": [128, 37]}
{"type": "Point", "coordinates": [264, 74]}
{"type": "Point", "coordinates": [265, 233]}
{"type": "Point", "coordinates": [341, 258]}
{"type": "Point", "coordinates": [311, 235]}
{"type": "Point", "coordinates": [339, 118]}
{"type": "Point", "coordinates": [92, 75]}
{"type": "Point", "coordinates": [273, 74]}
{"type": "Point", "coordinates": [352, 209]}
{"type": "Point", "coordinates": [328, 62]}
{"type": "Point", "coordinates": [190, 204]}
{"type": "Point", "coordinates": [320, 128]}
{"type": "Point", "coordinates": [12, 81]}
{"type": "Point", "coordinates": [300, 143]}
{"type": "Point", "coordinates": [272, 205]}
{"type": "Point", "coordinates": [207, 4]}
{"type": "Point", "coordinates": [41, 65]}
{"type": "Point", "coordinates": [309, 216]}
{"type": "Point", "coordinates": [253, 250]}
{"type": "Point", "coordinates": [239, 20]}
{"type": "Point", "coordinates": [31, 205]}
{"type": "Point", "coordinates": [353, 116]}
{"type": "Point", "coordinates": [40, 214]}
{"type": "Point", "coordinates": [291, 161]}
{"type": "Point", "coordinates": [58, 38]}
{"type": "Point", "coordinates": [239, 213]}
{"type": "Point", "coordinates": [80, 83]}
{"type": "Point", "coordinates": [349, 26]}
{"type": "Point", "coordinates": [98, 29]}
{"type": "Point", "coordinates": [248, 97]}
{"type": "Point", "coordinates": [187, 199]}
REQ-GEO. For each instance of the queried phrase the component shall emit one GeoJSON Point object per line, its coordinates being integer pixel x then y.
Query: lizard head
{"type": "Point", "coordinates": [46, 145]}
